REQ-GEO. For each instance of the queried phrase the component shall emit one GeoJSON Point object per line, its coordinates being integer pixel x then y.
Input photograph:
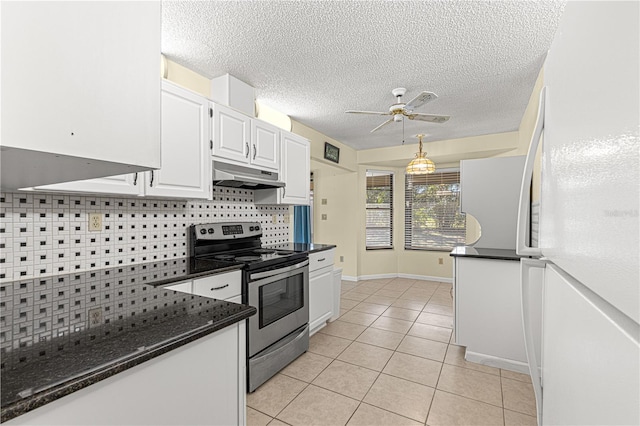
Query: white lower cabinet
{"type": "Point", "coordinates": [186, 155]}
{"type": "Point", "coordinates": [201, 383]}
{"type": "Point", "coordinates": [488, 318]}
{"type": "Point", "coordinates": [320, 289]}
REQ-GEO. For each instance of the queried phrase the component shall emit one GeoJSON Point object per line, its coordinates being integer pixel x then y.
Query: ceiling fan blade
{"type": "Point", "coordinates": [383, 124]}
{"type": "Point", "coordinates": [420, 100]}
{"type": "Point", "coordinates": [367, 112]}
{"type": "Point", "coordinates": [428, 117]}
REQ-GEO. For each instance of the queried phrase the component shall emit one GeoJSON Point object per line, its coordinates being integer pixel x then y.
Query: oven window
{"type": "Point", "coordinates": [280, 298]}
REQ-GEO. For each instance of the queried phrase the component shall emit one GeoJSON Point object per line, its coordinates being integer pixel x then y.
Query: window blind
{"type": "Point", "coordinates": [432, 211]}
{"type": "Point", "coordinates": [379, 207]}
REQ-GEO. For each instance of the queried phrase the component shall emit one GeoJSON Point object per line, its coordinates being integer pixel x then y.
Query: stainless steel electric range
{"type": "Point", "coordinates": [276, 282]}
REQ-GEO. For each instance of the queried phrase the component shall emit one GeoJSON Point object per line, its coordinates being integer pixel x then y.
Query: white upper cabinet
{"type": "Point", "coordinates": [265, 145]}
{"type": "Point", "coordinates": [295, 172]}
{"type": "Point", "coordinates": [186, 155]}
{"type": "Point", "coordinates": [231, 134]}
{"type": "Point", "coordinates": [240, 139]}
{"type": "Point", "coordinates": [296, 169]}
{"type": "Point", "coordinates": [80, 90]}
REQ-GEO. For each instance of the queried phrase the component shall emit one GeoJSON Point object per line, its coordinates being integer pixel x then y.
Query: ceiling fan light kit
{"type": "Point", "coordinates": [399, 110]}
{"type": "Point", "coordinates": [420, 165]}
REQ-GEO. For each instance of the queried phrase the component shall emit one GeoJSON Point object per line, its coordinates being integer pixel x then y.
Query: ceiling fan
{"type": "Point", "coordinates": [399, 110]}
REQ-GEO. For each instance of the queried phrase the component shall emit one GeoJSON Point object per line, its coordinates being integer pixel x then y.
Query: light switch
{"type": "Point", "coordinates": [324, 201]}
{"type": "Point", "coordinates": [324, 217]}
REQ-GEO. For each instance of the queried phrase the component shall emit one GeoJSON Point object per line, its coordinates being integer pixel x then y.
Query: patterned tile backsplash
{"type": "Point", "coordinates": [47, 234]}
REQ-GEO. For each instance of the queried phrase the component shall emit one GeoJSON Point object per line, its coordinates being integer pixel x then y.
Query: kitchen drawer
{"type": "Point", "coordinates": [184, 287]}
{"type": "Point", "coordinates": [321, 259]}
{"type": "Point", "coordinates": [220, 286]}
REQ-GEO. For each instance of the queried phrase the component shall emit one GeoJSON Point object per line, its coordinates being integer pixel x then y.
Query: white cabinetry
{"type": "Point", "coordinates": [89, 72]}
{"type": "Point", "coordinates": [186, 154]}
{"type": "Point", "coordinates": [224, 286]}
{"type": "Point", "coordinates": [295, 171]}
{"type": "Point", "coordinates": [265, 141]}
{"type": "Point", "coordinates": [320, 289]}
{"type": "Point", "coordinates": [242, 140]}
{"type": "Point", "coordinates": [186, 161]}
{"type": "Point", "coordinates": [488, 319]}
{"type": "Point", "coordinates": [203, 382]}
{"type": "Point", "coordinates": [129, 184]}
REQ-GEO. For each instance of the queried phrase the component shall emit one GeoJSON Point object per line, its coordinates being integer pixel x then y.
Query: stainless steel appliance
{"type": "Point", "coordinates": [276, 282]}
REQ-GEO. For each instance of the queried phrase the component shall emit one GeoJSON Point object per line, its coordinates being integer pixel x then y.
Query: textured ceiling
{"type": "Point", "coordinates": [313, 60]}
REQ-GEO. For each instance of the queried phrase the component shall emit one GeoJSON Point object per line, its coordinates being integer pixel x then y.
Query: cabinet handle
{"type": "Point", "coordinates": [284, 191]}
{"type": "Point", "coordinates": [322, 260]}
{"type": "Point", "coordinates": [151, 183]}
{"type": "Point", "coordinates": [255, 151]}
{"type": "Point", "coordinates": [247, 154]}
{"type": "Point", "coordinates": [135, 179]}
{"type": "Point", "coordinates": [220, 288]}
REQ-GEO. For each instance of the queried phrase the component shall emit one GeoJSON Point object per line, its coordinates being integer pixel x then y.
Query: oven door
{"type": "Point", "coordinates": [282, 299]}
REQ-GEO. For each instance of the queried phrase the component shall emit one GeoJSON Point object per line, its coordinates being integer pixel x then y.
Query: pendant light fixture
{"type": "Point", "coordinates": [420, 165]}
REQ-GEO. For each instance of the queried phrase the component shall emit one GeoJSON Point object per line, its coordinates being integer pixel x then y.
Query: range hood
{"type": "Point", "coordinates": [236, 176]}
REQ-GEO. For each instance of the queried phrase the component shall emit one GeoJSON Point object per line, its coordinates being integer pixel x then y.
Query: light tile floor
{"type": "Point", "coordinates": [388, 360]}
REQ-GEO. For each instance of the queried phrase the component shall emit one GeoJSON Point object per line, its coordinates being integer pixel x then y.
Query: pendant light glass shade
{"type": "Point", "coordinates": [420, 165]}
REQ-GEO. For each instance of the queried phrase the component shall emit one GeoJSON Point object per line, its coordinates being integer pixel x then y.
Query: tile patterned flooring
{"type": "Point", "coordinates": [388, 360]}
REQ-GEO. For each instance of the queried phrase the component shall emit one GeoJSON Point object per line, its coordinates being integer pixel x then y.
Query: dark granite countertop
{"type": "Point", "coordinates": [485, 253]}
{"type": "Point", "coordinates": [50, 349]}
{"type": "Point", "coordinates": [303, 247]}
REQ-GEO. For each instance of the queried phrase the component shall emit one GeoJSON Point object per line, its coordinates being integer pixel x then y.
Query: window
{"type": "Point", "coordinates": [432, 211]}
{"type": "Point", "coordinates": [379, 226]}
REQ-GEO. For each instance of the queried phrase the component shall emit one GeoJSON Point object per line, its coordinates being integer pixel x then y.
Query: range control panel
{"type": "Point", "coordinates": [227, 230]}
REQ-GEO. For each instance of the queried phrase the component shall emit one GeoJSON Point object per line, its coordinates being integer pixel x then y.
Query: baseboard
{"type": "Point", "coordinates": [376, 276]}
{"type": "Point", "coordinates": [426, 278]}
{"type": "Point", "coordinates": [409, 276]}
{"type": "Point", "coordinates": [492, 361]}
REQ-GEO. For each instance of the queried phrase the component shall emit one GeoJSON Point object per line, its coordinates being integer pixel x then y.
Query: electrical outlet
{"type": "Point", "coordinates": [324, 201]}
{"type": "Point", "coordinates": [274, 218]}
{"type": "Point", "coordinates": [440, 261]}
{"type": "Point", "coordinates": [286, 218]}
{"type": "Point", "coordinates": [95, 222]}
{"type": "Point", "coordinates": [324, 217]}
{"type": "Point", "coordinates": [95, 317]}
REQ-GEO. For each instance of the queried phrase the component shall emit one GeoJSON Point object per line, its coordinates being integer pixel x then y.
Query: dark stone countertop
{"type": "Point", "coordinates": [303, 247]}
{"type": "Point", "coordinates": [49, 350]}
{"type": "Point", "coordinates": [485, 253]}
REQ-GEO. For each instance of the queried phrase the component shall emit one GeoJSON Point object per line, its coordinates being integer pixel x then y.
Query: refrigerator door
{"type": "Point", "coordinates": [531, 284]}
{"type": "Point", "coordinates": [591, 155]}
{"type": "Point", "coordinates": [590, 357]}
{"type": "Point", "coordinates": [523, 247]}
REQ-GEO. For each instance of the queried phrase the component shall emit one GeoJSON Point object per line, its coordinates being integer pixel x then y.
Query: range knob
{"type": "Point", "coordinates": [251, 228]}
{"type": "Point", "coordinates": [210, 230]}
{"type": "Point", "coordinates": [203, 231]}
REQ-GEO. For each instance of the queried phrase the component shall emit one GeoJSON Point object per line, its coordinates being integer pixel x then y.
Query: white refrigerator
{"type": "Point", "coordinates": [585, 361]}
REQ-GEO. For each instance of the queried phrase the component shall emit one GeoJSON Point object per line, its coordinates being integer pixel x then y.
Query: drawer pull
{"type": "Point", "coordinates": [220, 288]}
{"type": "Point", "coordinates": [322, 260]}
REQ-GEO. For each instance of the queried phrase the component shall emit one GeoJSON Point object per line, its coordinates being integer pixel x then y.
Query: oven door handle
{"type": "Point", "coordinates": [278, 271]}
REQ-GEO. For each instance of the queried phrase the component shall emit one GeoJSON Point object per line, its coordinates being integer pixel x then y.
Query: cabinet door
{"type": "Point", "coordinates": [186, 160]}
{"type": "Point", "coordinates": [231, 134]}
{"type": "Point", "coordinates": [295, 170]}
{"type": "Point", "coordinates": [100, 93]}
{"type": "Point", "coordinates": [265, 149]}
{"type": "Point", "coordinates": [129, 184]}
{"type": "Point", "coordinates": [320, 298]}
